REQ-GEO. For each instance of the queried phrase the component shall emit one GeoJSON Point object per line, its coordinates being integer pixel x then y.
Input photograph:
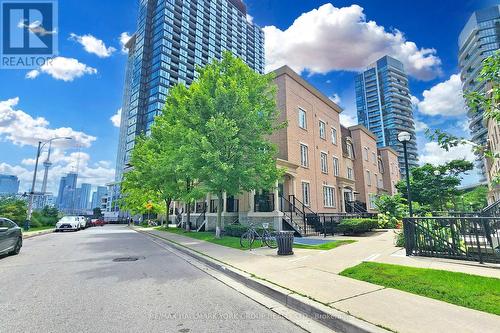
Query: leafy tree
{"type": "Point", "coordinates": [48, 216]}
{"type": "Point", "coordinates": [150, 181]}
{"type": "Point", "coordinates": [13, 209]}
{"type": "Point", "coordinates": [391, 210]}
{"type": "Point", "coordinates": [97, 213]}
{"type": "Point", "coordinates": [475, 199]}
{"type": "Point", "coordinates": [486, 102]}
{"type": "Point", "coordinates": [436, 186]}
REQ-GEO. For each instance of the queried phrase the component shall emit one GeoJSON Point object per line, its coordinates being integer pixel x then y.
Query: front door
{"type": "Point", "coordinates": [348, 201]}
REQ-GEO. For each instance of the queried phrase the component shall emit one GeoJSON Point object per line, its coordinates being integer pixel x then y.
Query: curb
{"type": "Point", "coordinates": [325, 315]}
{"type": "Point", "coordinates": [38, 233]}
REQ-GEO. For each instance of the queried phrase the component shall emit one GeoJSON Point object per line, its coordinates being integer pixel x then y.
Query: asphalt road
{"type": "Point", "coordinates": [68, 282]}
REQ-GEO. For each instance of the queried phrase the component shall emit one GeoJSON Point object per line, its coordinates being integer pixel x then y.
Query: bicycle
{"type": "Point", "coordinates": [267, 237]}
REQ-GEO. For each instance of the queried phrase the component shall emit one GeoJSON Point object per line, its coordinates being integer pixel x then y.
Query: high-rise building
{"type": "Point", "coordinates": [172, 38]}
{"type": "Point", "coordinates": [9, 184]}
{"type": "Point", "coordinates": [479, 39]}
{"type": "Point", "coordinates": [66, 197]}
{"type": "Point", "coordinates": [97, 196]}
{"type": "Point", "coordinates": [384, 106]}
{"type": "Point", "coordinates": [84, 196]}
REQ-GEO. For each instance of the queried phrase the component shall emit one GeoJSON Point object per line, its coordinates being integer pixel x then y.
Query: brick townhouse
{"type": "Point", "coordinates": [329, 168]}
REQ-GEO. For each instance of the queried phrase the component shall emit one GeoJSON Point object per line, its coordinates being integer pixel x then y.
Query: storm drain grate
{"type": "Point", "coordinates": [126, 259]}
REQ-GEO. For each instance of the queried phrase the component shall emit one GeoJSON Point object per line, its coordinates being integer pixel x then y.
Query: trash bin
{"type": "Point", "coordinates": [285, 242]}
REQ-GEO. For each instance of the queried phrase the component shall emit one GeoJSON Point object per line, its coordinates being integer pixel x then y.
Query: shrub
{"type": "Point", "coordinates": [356, 226]}
{"type": "Point", "coordinates": [386, 221]}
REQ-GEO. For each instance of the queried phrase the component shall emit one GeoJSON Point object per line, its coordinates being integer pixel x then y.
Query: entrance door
{"type": "Point", "coordinates": [348, 201]}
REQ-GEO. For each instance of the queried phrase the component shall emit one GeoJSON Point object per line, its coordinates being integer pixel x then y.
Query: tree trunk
{"type": "Point", "coordinates": [188, 222]}
{"type": "Point", "coordinates": [218, 223]}
{"type": "Point", "coordinates": [167, 210]}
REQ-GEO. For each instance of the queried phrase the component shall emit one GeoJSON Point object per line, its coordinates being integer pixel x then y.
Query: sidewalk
{"type": "Point", "coordinates": [29, 234]}
{"type": "Point", "coordinates": [314, 273]}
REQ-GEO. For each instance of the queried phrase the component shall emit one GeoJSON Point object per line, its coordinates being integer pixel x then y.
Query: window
{"type": "Point", "coordinates": [328, 196]}
{"type": "Point", "coordinates": [374, 158]}
{"type": "Point", "coordinates": [365, 153]}
{"type": "Point", "coordinates": [324, 162]}
{"type": "Point", "coordinates": [372, 198]}
{"type": "Point", "coordinates": [335, 166]}
{"type": "Point", "coordinates": [302, 119]}
{"type": "Point", "coordinates": [350, 152]}
{"type": "Point", "coordinates": [322, 133]}
{"type": "Point", "coordinates": [306, 193]}
{"type": "Point", "coordinates": [334, 135]}
{"type": "Point", "coordinates": [304, 158]}
{"type": "Point", "coordinates": [380, 181]}
{"type": "Point", "coordinates": [368, 178]}
{"type": "Point", "coordinates": [350, 174]}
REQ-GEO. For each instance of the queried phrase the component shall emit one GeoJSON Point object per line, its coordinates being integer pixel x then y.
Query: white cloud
{"type": "Point", "coordinates": [330, 38]}
{"type": "Point", "coordinates": [348, 118]}
{"type": "Point", "coordinates": [93, 45]}
{"type": "Point", "coordinates": [435, 155]}
{"type": "Point", "coordinates": [335, 98]}
{"type": "Point", "coordinates": [21, 128]}
{"type": "Point", "coordinates": [445, 99]}
{"type": "Point", "coordinates": [33, 74]}
{"type": "Point", "coordinates": [116, 118]}
{"type": "Point", "coordinates": [124, 38]}
{"type": "Point", "coordinates": [60, 68]}
{"type": "Point", "coordinates": [420, 126]}
{"type": "Point", "coordinates": [249, 18]}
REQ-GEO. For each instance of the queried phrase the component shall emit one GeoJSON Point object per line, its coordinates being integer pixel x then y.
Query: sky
{"type": "Point", "coordinates": [80, 94]}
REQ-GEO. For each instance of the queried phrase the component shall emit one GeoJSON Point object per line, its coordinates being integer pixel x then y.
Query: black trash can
{"type": "Point", "coordinates": [285, 242]}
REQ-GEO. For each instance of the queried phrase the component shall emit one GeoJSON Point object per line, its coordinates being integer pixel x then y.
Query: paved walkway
{"type": "Point", "coordinates": [314, 273]}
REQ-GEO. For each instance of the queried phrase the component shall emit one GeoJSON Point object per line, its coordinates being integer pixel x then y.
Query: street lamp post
{"type": "Point", "coordinates": [41, 144]}
{"type": "Point", "coordinates": [437, 173]}
{"type": "Point", "coordinates": [404, 138]}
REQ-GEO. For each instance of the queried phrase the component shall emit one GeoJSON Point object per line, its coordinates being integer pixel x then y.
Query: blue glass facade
{"type": "Point", "coordinates": [172, 38]}
{"type": "Point", "coordinates": [384, 106]}
{"type": "Point", "coordinates": [479, 39]}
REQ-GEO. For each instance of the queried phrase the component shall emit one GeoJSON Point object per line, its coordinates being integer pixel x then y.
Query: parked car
{"type": "Point", "coordinates": [83, 222]}
{"type": "Point", "coordinates": [11, 237]}
{"type": "Point", "coordinates": [68, 223]}
{"type": "Point", "coordinates": [97, 222]}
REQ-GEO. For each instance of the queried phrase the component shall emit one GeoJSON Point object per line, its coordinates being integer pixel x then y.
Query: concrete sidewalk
{"type": "Point", "coordinates": [314, 273]}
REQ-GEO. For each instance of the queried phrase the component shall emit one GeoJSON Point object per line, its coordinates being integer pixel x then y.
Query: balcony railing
{"type": "Point", "coordinates": [264, 202]}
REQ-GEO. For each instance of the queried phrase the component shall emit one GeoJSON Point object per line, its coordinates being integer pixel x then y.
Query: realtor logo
{"type": "Point", "coordinates": [28, 33]}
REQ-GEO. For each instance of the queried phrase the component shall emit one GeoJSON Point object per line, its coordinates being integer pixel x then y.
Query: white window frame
{"type": "Point", "coordinates": [323, 158]}
{"type": "Point", "coordinates": [336, 166]}
{"type": "Point", "coordinates": [334, 135]}
{"type": "Point", "coordinates": [322, 130]}
{"type": "Point", "coordinates": [306, 193]}
{"type": "Point", "coordinates": [329, 197]}
{"type": "Point", "coordinates": [350, 150]}
{"type": "Point", "coordinates": [304, 155]}
{"type": "Point", "coordinates": [368, 178]}
{"type": "Point", "coordinates": [365, 153]}
{"type": "Point", "coordinates": [374, 158]}
{"type": "Point", "coordinates": [302, 112]}
{"type": "Point", "coordinates": [350, 173]}
{"type": "Point", "coordinates": [372, 197]}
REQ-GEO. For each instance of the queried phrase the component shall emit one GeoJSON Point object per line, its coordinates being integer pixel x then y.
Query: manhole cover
{"type": "Point", "coordinates": [126, 259]}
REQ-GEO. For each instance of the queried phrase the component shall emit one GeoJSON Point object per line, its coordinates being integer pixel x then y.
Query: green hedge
{"type": "Point", "coordinates": [356, 226]}
{"type": "Point", "coordinates": [236, 230]}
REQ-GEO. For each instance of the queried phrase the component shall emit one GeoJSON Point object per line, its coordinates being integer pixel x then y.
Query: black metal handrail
{"type": "Point", "coordinates": [310, 219]}
{"type": "Point", "coordinates": [467, 238]}
{"type": "Point", "coordinates": [201, 218]}
{"type": "Point", "coordinates": [492, 210]}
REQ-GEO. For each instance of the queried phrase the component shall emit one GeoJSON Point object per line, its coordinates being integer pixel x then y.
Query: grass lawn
{"type": "Point", "coordinates": [234, 242]}
{"type": "Point", "coordinates": [471, 291]}
{"type": "Point", "coordinates": [324, 246]}
{"type": "Point", "coordinates": [39, 228]}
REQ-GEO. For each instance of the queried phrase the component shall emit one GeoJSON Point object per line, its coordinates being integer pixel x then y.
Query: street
{"type": "Point", "coordinates": [68, 282]}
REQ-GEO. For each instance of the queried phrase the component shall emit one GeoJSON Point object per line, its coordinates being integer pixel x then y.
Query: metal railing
{"type": "Point", "coordinates": [264, 202]}
{"type": "Point", "coordinates": [201, 218]}
{"type": "Point", "coordinates": [492, 210]}
{"type": "Point", "coordinates": [466, 238]}
{"type": "Point", "coordinates": [310, 223]}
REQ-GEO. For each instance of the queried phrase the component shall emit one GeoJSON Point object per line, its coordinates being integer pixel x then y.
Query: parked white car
{"type": "Point", "coordinates": [69, 223]}
{"type": "Point", "coordinates": [83, 222]}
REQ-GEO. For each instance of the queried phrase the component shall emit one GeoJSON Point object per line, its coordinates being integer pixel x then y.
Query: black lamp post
{"type": "Point", "coordinates": [404, 138]}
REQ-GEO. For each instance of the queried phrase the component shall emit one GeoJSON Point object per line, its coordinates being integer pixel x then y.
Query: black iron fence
{"type": "Point", "coordinates": [466, 238]}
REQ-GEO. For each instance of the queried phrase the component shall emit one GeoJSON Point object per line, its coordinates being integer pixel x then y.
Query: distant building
{"type": "Point", "coordinates": [42, 200]}
{"type": "Point", "coordinates": [66, 198]}
{"type": "Point", "coordinates": [84, 197]}
{"type": "Point", "coordinates": [97, 196]}
{"type": "Point", "coordinates": [479, 39]}
{"type": "Point", "coordinates": [9, 184]}
{"type": "Point", "coordinates": [384, 106]}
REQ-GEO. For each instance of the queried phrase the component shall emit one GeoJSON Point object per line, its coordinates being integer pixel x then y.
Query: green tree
{"type": "Point", "coordinates": [97, 213]}
{"type": "Point", "coordinates": [13, 209]}
{"type": "Point", "coordinates": [475, 199]}
{"type": "Point", "coordinates": [436, 186]}
{"type": "Point", "coordinates": [48, 216]}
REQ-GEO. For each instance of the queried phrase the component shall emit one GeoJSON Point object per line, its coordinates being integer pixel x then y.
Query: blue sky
{"type": "Point", "coordinates": [82, 102]}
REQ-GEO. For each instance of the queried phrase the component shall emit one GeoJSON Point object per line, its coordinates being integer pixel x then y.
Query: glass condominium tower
{"type": "Point", "coordinates": [479, 39]}
{"type": "Point", "coordinates": [172, 38]}
{"type": "Point", "coordinates": [383, 105]}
